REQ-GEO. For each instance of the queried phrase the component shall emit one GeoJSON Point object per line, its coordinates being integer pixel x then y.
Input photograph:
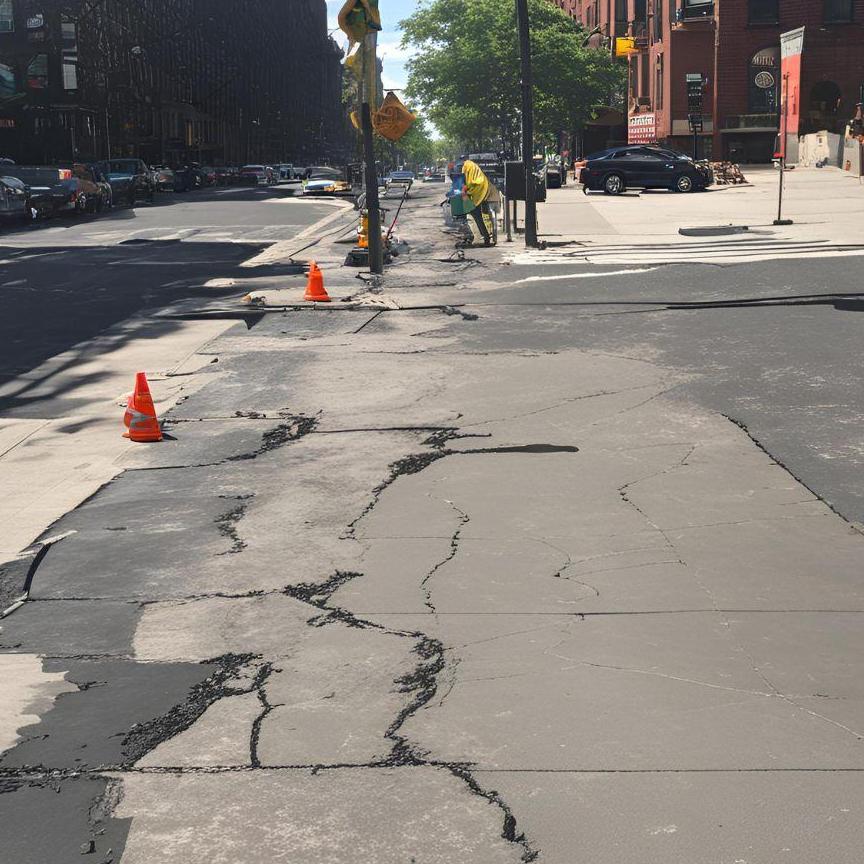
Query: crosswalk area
{"type": "Point", "coordinates": [721, 252]}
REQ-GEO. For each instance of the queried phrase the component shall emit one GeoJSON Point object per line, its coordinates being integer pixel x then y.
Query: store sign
{"type": "Point", "coordinates": [34, 22]}
{"type": "Point", "coordinates": [764, 80]}
{"type": "Point", "coordinates": [642, 129]}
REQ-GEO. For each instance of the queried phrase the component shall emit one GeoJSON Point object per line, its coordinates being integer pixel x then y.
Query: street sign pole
{"type": "Point", "coordinates": [784, 123]}
{"type": "Point", "coordinates": [527, 123]}
{"type": "Point", "coordinates": [370, 97]}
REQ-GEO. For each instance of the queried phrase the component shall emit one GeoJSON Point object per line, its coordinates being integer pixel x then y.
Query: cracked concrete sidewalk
{"type": "Point", "coordinates": [386, 597]}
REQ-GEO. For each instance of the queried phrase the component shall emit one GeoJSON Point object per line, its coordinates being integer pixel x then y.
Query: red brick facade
{"type": "Point", "coordinates": [735, 45]}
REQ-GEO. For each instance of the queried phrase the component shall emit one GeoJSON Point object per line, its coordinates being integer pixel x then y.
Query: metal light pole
{"type": "Point", "coordinates": [370, 97]}
{"type": "Point", "coordinates": [527, 123]}
{"type": "Point", "coordinates": [784, 125]}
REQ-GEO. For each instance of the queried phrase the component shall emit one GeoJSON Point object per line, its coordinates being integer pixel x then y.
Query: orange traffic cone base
{"type": "Point", "coordinates": [140, 417]}
{"type": "Point", "coordinates": [315, 291]}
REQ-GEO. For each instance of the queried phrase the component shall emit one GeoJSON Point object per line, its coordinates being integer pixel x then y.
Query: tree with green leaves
{"type": "Point", "coordinates": [465, 70]}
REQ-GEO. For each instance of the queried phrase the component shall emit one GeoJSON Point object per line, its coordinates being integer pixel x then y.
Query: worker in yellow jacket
{"type": "Point", "coordinates": [477, 188]}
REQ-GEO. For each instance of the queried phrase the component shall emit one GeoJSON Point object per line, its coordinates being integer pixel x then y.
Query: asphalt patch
{"type": "Point", "coordinates": [120, 710]}
{"type": "Point", "coordinates": [50, 821]}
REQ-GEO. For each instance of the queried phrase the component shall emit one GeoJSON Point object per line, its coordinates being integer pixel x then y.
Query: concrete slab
{"type": "Point", "coordinates": [332, 817]}
{"type": "Point", "coordinates": [813, 655]}
{"type": "Point", "coordinates": [336, 696]}
{"type": "Point", "coordinates": [195, 630]}
{"type": "Point", "coordinates": [393, 571]}
{"type": "Point", "coordinates": [220, 737]}
{"type": "Point", "coordinates": [673, 818]}
{"type": "Point", "coordinates": [777, 565]}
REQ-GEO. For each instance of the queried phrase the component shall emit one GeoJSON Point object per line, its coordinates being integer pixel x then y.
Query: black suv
{"type": "Point", "coordinates": [130, 180]}
{"type": "Point", "coordinates": [646, 167]}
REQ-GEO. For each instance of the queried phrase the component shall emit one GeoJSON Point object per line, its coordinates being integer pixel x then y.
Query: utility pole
{"type": "Point", "coordinates": [370, 97]}
{"type": "Point", "coordinates": [527, 123]}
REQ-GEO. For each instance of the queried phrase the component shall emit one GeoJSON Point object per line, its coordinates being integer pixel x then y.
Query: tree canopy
{"type": "Point", "coordinates": [465, 71]}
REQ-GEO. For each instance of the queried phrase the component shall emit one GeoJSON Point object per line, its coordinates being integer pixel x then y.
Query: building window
{"type": "Point", "coordinates": [697, 9]}
{"type": "Point", "coordinates": [68, 29]}
{"type": "Point", "coordinates": [763, 11]}
{"type": "Point", "coordinates": [658, 20]}
{"type": "Point", "coordinates": [838, 11]}
{"type": "Point", "coordinates": [70, 70]}
{"type": "Point", "coordinates": [37, 72]}
{"type": "Point", "coordinates": [658, 83]}
{"type": "Point", "coordinates": [7, 16]}
{"type": "Point", "coordinates": [764, 81]}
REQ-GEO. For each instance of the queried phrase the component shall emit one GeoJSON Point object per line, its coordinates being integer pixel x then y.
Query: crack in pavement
{"type": "Point", "coordinates": [226, 523]}
{"type": "Point", "coordinates": [261, 677]}
{"type": "Point", "coordinates": [464, 519]}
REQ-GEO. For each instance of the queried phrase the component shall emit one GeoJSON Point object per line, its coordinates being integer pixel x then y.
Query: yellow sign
{"type": "Point", "coordinates": [625, 46]}
{"type": "Point", "coordinates": [392, 120]}
{"type": "Point", "coordinates": [358, 17]}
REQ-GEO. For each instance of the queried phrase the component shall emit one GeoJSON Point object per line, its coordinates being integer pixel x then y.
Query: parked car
{"type": "Point", "coordinates": [224, 175]}
{"type": "Point", "coordinates": [163, 178]}
{"type": "Point", "coordinates": [184, 178]}
{"type": "Point", "coordinates": [324, 181]}
{"type": "Point", "coordinates": [286, 172]}
{"type": "Point", "coordinates": [556, 175]}
{"type": "Point", "coordinates": [14, 200]}
{"type": "Point", "coordinates": [644, 167]}
{"type": "Point", "coordinates": [207, 174]}
{"type": "Point", "coordinates": [254, 175]}
{"type": "Point", "coordinates": [130, 181]}
{"type": "Point", "coordinates": [95, 193]}
{"type": "Point", "coordinates": [58, 189]}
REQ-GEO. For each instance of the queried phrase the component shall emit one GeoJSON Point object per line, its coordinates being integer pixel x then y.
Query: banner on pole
{"type": "Point", "coordinates": [791, 48]}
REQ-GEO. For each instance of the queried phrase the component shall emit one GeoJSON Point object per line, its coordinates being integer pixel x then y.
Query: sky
{"type": "Point", "coordinates": [389, 50]}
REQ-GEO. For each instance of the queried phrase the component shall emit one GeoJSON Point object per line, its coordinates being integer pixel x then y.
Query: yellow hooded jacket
{"type": "Point", "coordinates": [476, 182]}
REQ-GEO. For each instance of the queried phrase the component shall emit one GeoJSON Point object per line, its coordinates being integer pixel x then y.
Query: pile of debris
{"type": "Point", "coordinates": [727, 173]}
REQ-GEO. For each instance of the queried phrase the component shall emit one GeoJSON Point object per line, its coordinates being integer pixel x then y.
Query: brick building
{"type": "Point", "coordinates": [735, 45]}
{"type": "Point", "coordinates": [170, 81]}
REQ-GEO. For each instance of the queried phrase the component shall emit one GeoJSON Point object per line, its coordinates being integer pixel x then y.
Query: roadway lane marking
{"type": "Point", "coordinates": [584, 275]}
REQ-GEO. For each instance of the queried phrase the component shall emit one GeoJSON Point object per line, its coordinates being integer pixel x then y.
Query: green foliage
{"type": "Point", "coordinates": [466, 69]}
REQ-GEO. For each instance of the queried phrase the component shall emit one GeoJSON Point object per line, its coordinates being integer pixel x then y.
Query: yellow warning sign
{"type": "Point", "coordinates": [625, 46]}
{"type": "Point", "coordinates": [392, 120]}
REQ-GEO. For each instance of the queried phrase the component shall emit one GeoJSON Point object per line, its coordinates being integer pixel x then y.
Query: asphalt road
{"type": "Point", "coordinates": [66, 280]}
{"type": "Point", "coordinates": [774, 345]}
{"type": "Point", "coordinates": [502, 586]}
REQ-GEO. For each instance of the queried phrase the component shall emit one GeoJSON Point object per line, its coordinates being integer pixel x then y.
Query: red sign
{"type": "Point", "coordinates": [641, 129]}
{"type": "Point", "coordinates": [791, 46]}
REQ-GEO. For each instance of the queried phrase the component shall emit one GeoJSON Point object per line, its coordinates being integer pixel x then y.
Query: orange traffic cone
{"type": "Point", "coordinates": [140, 417]}
{"type": "Point", "coordinates": [315, 286]}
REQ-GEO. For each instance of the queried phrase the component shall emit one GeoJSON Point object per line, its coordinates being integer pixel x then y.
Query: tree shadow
{"type": "Point", "coordinates": [73, 304]}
